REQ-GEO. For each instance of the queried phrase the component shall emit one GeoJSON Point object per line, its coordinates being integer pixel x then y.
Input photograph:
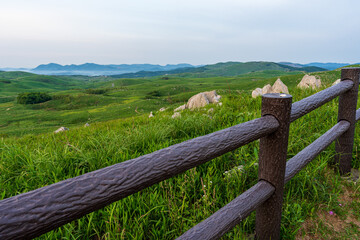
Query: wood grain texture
{"type": "Point", "coordinates": [231, 214]}
{"type": "Point", "coordinates": [306, 105]}
{"type": "Point", "coordinates": [272, 164]}
{"type": "Point", "coordinates": [300, 160]}
{"type": "Point", "coordinates": [347, 111]}
{"type": "Point", "coordinates": [31, 214]}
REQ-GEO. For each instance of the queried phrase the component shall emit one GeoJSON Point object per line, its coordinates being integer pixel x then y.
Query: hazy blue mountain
{"type": "Point", "coordinates": [296, 65]}
{"type": "Point", "coordinates": [329, 66]}
{"type": "Point", "coordinates": [97, 69]}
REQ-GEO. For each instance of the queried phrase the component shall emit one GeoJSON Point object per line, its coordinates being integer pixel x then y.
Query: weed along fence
{"type": "Point", "coordinates": [31, 214]}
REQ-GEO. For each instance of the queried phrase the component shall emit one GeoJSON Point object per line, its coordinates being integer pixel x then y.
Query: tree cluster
{"type": "Point", "coordinates": [33, 98]}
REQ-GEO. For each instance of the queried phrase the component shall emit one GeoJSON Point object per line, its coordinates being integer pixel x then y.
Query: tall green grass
{"type": "Point", "coordinates": [168, 209]}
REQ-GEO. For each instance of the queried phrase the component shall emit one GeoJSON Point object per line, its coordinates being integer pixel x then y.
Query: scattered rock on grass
{"type": "Point", "coordinates": [280, 87]}
{"type": "Point", "coordinates": [182, 107]}
{"type": "Point", "coordinates": [256, 93]}
{"type": "Point", "coordinates": [176, 115]}
{"type": "Point", "coordinates": [336, 82]}
{"type": "Point", "coordinates": [309, 81]}
{"type": "Point", "coordinates": [151, 115]}
{"type": "Point", "coordinates": [62, 129]}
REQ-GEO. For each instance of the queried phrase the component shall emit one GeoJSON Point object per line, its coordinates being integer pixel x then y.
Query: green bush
{"type": "Point", "coordinates": [153, 94]}
{"type": "Point", "coordinates": [95, 91]}
{"type": "Point", "coordinates": [33, 98]}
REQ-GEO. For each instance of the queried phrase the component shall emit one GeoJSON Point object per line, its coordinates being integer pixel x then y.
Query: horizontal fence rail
{"type": "Point", "coordinates": [306, 105]}
{"type": "Point", "coordinates": [36, 212]}
{"type": "Point", "coordinates": [300, 160]}
{"type": "Point", "coordinates": [39, 211]}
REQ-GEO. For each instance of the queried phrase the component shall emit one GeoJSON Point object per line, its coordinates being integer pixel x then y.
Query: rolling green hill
{"type": "Point", "coordinates": [168, 209]}
{"type": "Point", "coordinates": [119, 98]}
{"type": "Point", "coordinates": [12, 83]}
{"type": "Point", "coordinates": [223, 69]}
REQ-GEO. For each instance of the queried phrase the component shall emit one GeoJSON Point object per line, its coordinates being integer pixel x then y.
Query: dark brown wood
{"type": "Point", "coordinates": [300, 160]}
{"type": "Point", "coordinates": [33, 213]}
{"type": "Point", "coordinates": [306, 105]}
{"type": "Point", "coordinates": [347, 111]}
{"type": "Point", "coordinates": [232, 214]}
{"type": "Point", "coordinates": [357, 115]}
{"type": "Point", "coordinates": [272, 164]}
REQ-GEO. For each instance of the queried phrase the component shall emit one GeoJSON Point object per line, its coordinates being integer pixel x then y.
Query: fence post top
{"type": "Point", "coordinates": [351, 69]}
{"type": "Point", "coordinates": [276, 95]}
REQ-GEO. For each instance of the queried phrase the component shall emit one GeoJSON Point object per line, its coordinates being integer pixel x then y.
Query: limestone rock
{"type": "Point", "coordinates": [182, 107]}
{"type": "Point", "coordinates": [280, 87]}
{"type": "Point", "coordinates": [336, 82]}
{"type": "Point", "coordinates": [257, 92]}
{"type": "Point", "coordinates": [309, 81]}
{"type": "Point", "coordinates": [151, 115]}
{"type": "Point", "coordinates": [202, 99]}
{"type": "Point", "coordinates": [197, 101]}
{"type": "Point", "coordinates": [176, 115]}
{"type": "Point", "coordinates": [212, 96]}
{"type": "Point", "coordinates": [267, 89]}
{"type": "Point", "coordinates": [62, 129]}
{"type": "Point", "coordinates": [220, 104]}
{"type": "Point", "coordinates": [162, 109]}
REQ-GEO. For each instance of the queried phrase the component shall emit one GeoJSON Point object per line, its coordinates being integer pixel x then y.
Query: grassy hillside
{"type": "Point", "coordinates": [224, 69]}
{"type": "Point", "coordinates": [168, 209]}
{"type": "Point", "coordinates": [12, 83]}
{"type": "Point", "coordinates": [122, 98]}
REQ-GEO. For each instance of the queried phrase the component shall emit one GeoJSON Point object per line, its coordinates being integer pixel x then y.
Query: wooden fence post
{"type": "Point", "coordinates": [347, 111]}
{"type": "Point", "coordinates": [272, 164]}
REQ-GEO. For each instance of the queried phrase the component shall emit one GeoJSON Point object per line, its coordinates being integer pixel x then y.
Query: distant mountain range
{"type": "Point", "coordinates": [328, 66]}
{"type": "Point", "coordinates": [148, 70]}
{"type": "Point", "coordinates": [93, 69]}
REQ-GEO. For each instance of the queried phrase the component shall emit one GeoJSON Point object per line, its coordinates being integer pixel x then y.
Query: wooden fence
{"type": "Point", "coordinates": [31, 214]}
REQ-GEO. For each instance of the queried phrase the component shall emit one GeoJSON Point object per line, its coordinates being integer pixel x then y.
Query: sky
{"type": "Point", "coordinates": [34, 32]}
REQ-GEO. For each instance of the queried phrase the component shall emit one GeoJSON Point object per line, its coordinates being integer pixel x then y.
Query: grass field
{"type": "Point", "coordinates": [30, 160]}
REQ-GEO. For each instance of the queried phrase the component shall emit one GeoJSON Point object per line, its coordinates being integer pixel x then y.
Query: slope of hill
{"type": "Point", "coordinates": [223, 69]}
{"type": "Point", "coordinates": [12, 83]}
{"type": "Point", "coordinates": [168, 209]}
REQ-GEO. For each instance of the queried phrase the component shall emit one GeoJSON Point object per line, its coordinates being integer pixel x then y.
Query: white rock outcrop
{"type": "Point", "coordinates": [202, 99]}
{"type": "Point", "coordinates": [151, 115]}
{"type": "Point", "coordinates": [256, 93]}
{"type": "Point", "coordinates": [182, 107]}
{"type": "Point", "coordinates": [162, 109]}
{"type": "Point", "coordinates": [197, 101]}
{"type": "Point", "coordinates": [267, 89]}
{"type": "Point", "coordinates": [176, 115]}
{"type": "Point", "coordinates": [336, 82]}
{"type": "Point", "coordinates": [309, 81]}
{"type": "Point", "coordinates": [280, 87]}
{"type": "Point", "coordinates": [62, 129]}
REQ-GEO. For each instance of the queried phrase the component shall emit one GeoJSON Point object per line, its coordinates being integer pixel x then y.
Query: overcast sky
{"type": "Point", "coordinates": [34, 32]}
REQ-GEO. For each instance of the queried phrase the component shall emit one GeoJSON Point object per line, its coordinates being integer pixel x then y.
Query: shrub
{"type": "Point", "coordinates": [33, 98]}
{"type": "Point", "coordinates": [95, 91]}
{"type": "Point", "coordinates": [5, 81]}
{"type": "Point", "coordinates": [153, 94]}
